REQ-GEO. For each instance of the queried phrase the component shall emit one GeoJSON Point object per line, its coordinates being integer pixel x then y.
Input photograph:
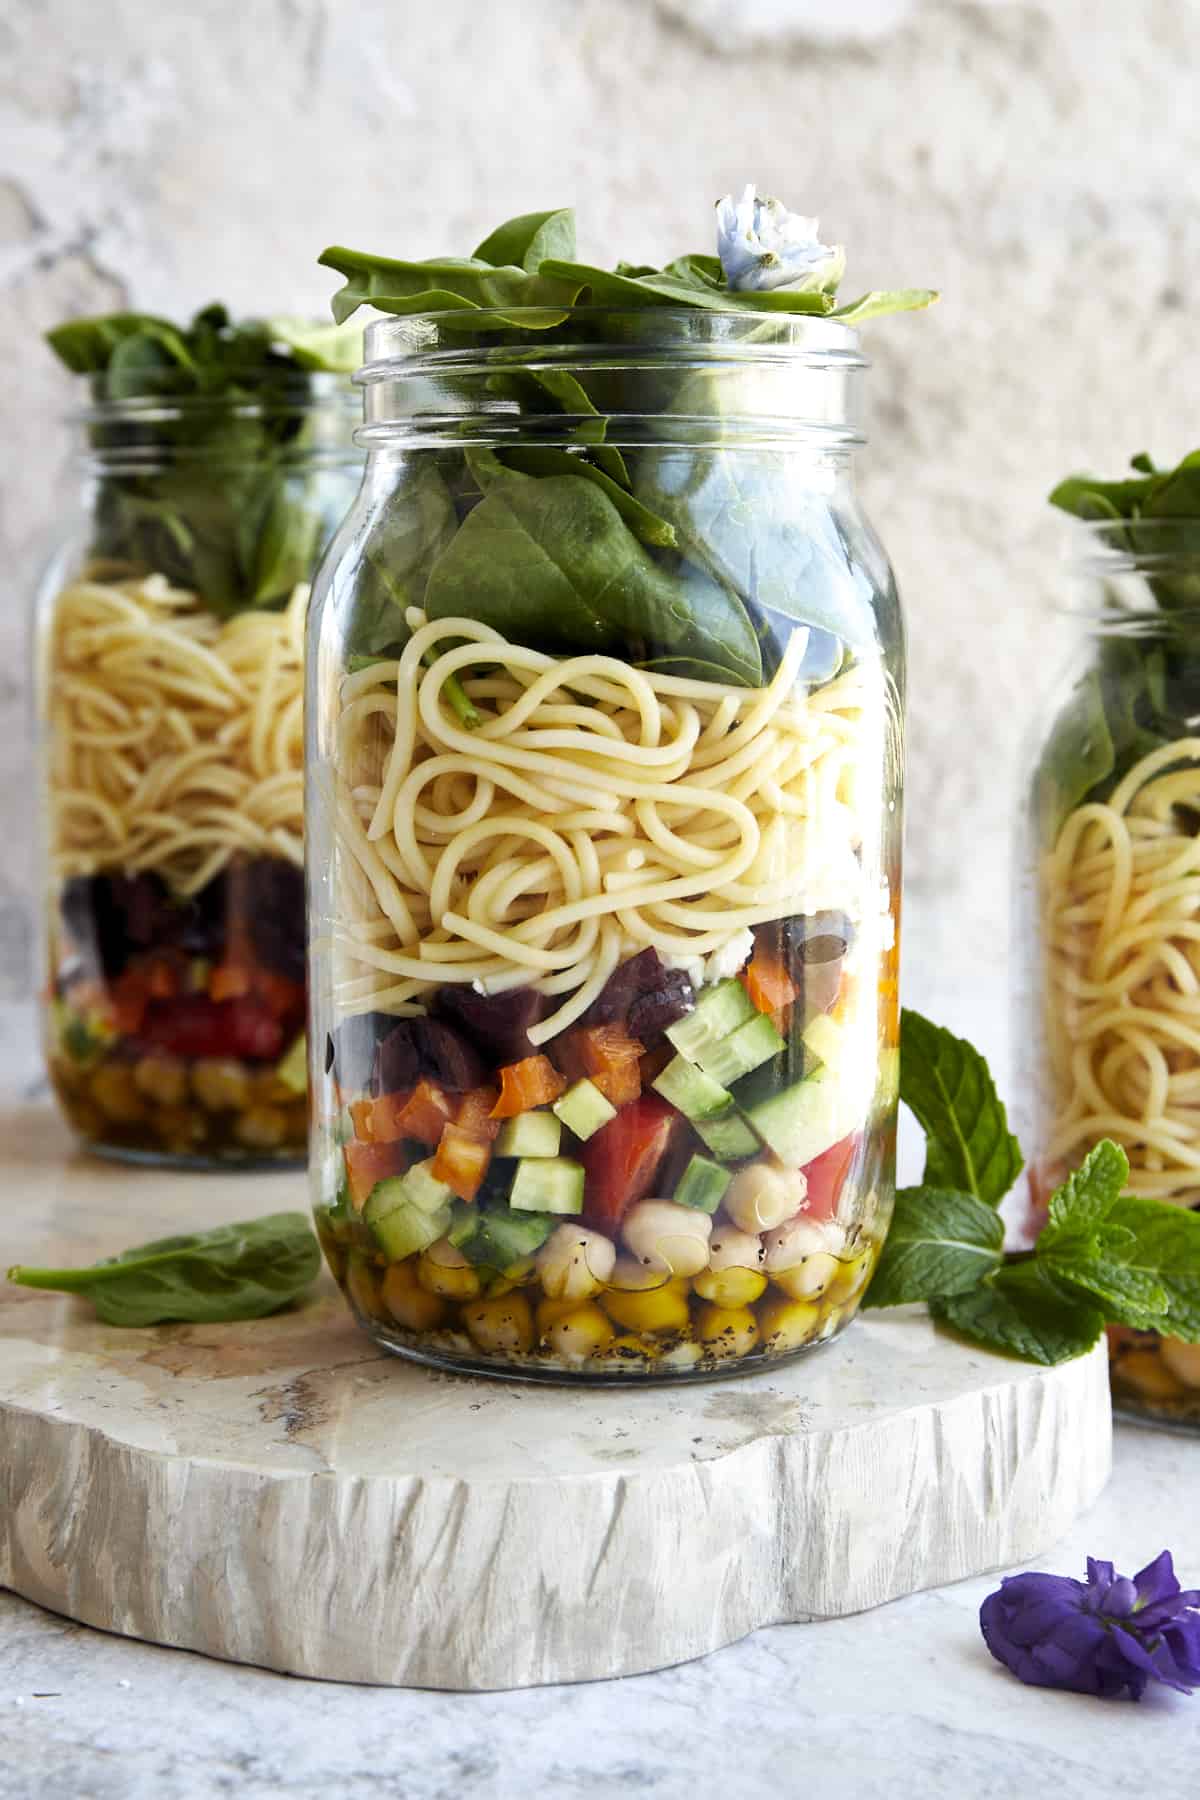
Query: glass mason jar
{"type": "Point", "coordinates": [169, 672]}
{"type": "Point", "coordinates": [604, 763]}
{"type": "Point", "coordinates": [1110, 906]}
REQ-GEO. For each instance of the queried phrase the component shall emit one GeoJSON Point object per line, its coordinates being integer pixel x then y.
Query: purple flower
{"type": "Point", "coordinates": [1100, 1635]}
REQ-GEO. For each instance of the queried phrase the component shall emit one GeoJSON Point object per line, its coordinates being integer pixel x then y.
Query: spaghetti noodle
{"type": "Point", "coordinates": [176, 736]}
{"type": "Point", "coordinates": [595, 810]}
{"type": "Point", "coordinates": [1121, 901]}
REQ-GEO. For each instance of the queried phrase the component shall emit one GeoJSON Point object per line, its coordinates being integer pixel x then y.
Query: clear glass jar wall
{"type": "Point", "coordinates": [1110, 904]}
{"type": "Point", "coordinates": [170, 683]}
{"type": "Point", "coordinates": [605, 699]}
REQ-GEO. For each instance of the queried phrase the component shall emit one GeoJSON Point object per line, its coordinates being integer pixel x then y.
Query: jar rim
{"type": "Point", "coordinates": [395, 344]}
{"type": "Point", "coordinates": [164, 395]}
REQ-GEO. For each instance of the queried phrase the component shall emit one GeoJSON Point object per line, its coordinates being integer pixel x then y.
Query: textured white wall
{"type": "Point", "coordinates": [1037, 162]}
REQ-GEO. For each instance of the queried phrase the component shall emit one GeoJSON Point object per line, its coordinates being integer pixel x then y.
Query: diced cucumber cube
{"type": "Point", "coordinates": [755, 1042]}
{"type": "Point", "coordinates": [406, 1228]}
{"type": "Point", "coordinates": [503, 1238]}
{"type": "Point", "coordinates": [529, 1134]}
{"type": "Point", "coordinates": [696, 1094]}
{"type": "Point", "coordinates": [826, 1039]}
{"type": "Point", "coordinates": [292, 1067]}
{"type": "Point", "coordinates": [718, 1012]}
{"type": "Point", "coordinates": [423, 1188]}
{"type": "Point", "coordinates": [464, 1223]}
{"type": "Point", "coordinates": [803, 1120]}
{"type": "Point", "coordinates": [728, 1135]}
{"type": "Point", "coordinates": [551, 1184]}
{"type": "Point", "coordinates": [702, 1185]}
{"type": "Point", "coordinates": [583, 1109]}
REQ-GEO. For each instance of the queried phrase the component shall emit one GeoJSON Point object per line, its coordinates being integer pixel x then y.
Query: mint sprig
{"type": "Point", "coordinates": [1104, 1256]}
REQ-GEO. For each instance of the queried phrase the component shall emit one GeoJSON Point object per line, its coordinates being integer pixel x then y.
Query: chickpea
{"type": "Point", "coordinates": [681, 1356]}
{"type": "Point", "coordinates": [1147, 1371]}
{"type": "Point", "coordinates": [730, 1287]}
{"type": "Point", "coordinates": [763, 1195]}
{"type": "Point", "coordinates": [116, 1096]}
{"type": "Point", "coordinates": [161, 1078]}
{"type": "Point", "coordinates": [808, 1280]}
{"type": "Point", "coordinates": [1183, 1360]}
{"type": "Point", "coordinates": [786, 1324]}
{"type": "Point", "coordinates": [580, 1334]}
{"type": "Point", "coordinates": [663, 1235]}
{"type": "Point", "coordinates": [798, 1258]}
{"type": "Point", "coordinates": [410, 1305]}
{"type": "Point", "coordinates": [852, 1277]}
{"type": "Point", "coordinates": [501, 1326]}
{"type": "Point", "coordinates": [727, 1331]}
{"type": "Point", "coordinates": [220, 1084]}
{"type": "Point", "coordinates": [444, 1270]}
{"type": "Point", "coordinates": [632, 1276]}
{"type": "Point", "coordinates": [363, 1288]}
{"type": "Point", "coordinates": [262, 1128]}
{"type": "Point", "coordinates": [574, 1263]}
{"type": "Point", "coordinates": [662, 1308]}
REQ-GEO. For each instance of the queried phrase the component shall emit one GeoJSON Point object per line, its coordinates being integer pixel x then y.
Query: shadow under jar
{"type": "Point", "coordinates": [605, 700]}
{"type": "Point", "coordinates": [169, 672]}
{"type": "Point", "coordinates": [1111, 905]}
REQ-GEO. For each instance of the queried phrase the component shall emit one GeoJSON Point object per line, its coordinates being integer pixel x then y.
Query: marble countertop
{"type": "Point", "coordinates": [901, 1701]}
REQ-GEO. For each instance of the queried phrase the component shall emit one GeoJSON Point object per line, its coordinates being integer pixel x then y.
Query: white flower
{"type": "Point", "coordinates": [763, 245]}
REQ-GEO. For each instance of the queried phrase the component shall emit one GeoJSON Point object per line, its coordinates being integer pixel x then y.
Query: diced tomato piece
{"type": "Point", "coordinates": [474, 1115]}
{"type": "Point", "coordinates": [461, 1161]}
{"type": "Point", "coordinates": [368, 1163]}
{"type": "Point", "coordinates": [162, 979]}
{"type": "Point", "coordinates": [766, 980]}
{"type": "Point", "coordinates": [278, 994]}
{"type": "Point", "coordinates": [825, 1175]}
{"type": "Point", "coordinates": [534, 1081]}
{"type": "Point", "coordinates": [194, 1026]}
{"type": "Point", "coordinates": [421, 1113]}
{"type": "Point", "coordinates": [228, 981]}
{"type": "Point", "coordinates": [623, 1158]}
{"type": "Point", "coordinates": [608, 1056]}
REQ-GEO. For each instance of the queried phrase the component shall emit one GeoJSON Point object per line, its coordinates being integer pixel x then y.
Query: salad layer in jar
{"type": "Point", "coordinates": [1117, 812]}
{"type": "Point", "coordinates": [172, 695]}
{"type": "Point", "coordinates": [604, 833]}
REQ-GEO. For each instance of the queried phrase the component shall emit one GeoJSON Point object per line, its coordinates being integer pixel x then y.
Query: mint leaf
{"type": "Point", "coordinates": [939, 1242]}
{"type": "Point", "coordinates": [1018, 1310]}
{"type": "Point", "coordinates": [1143, 1264]}
{"type": "Point", "coordinates": [947, 1085]}
{"type": "Point", "coordinates": [1086, 1198]}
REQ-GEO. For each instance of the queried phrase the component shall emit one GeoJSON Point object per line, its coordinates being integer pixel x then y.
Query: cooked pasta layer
{"type": "Point", "coordinates": [1121, 897]}
{"type": "Point", "coordinates": [176, 737]}
{"type": "Point", "coordinates": [594, 809]}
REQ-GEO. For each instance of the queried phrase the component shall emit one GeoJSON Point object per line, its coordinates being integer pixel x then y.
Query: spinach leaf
{"type": "Point", "coordinates": [755, 525]}
{"type": "Point", "coordinates": [682, 284]}
{"type": "Point", "coordinates": [884, 300]}
{"type": "Point", "coordinates": [399, 549]}
{"type": "Point", "coordinates": [529, 238]}
{"type": "Point", "coordinates": [551, 561]}
{"type": "Point", "coordinates": [548, 460]}
{"type": "Point", "coordinates": [232, 1272]}
{"type": "Point", "coordinates": [220, 502]}
{"type": "Point", "coordinates": [438, 284]}
{"type": "Point", "coordinates": [564, 392]}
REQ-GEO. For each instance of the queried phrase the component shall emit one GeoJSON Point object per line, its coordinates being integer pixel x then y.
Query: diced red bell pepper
{"type": "Point", "coordinates": [474, 1115]}
{"type": "Point", "coordinates": [194, 1025]}
{"type": "Point", "coordinates": [623, 1158]}
{"type": "Point", "coordinates": [608, 1057]}
{"type": "Point", "coordinates": [461, 1161]}
{"type": "Point", "coordinates": [534, 1081]}
{"type": "Point", "coordinates": [421, 1113]}
{"type": "Point", "coordinates": [368, 1163]}
{"type": "Point", "coordinates": [826, 1174]}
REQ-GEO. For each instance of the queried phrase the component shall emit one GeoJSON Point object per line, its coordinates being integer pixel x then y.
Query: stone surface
{"type": "Point", "coordinates": [281, 1493]}
{"type": "Point", "coordinates": [1030, 159]}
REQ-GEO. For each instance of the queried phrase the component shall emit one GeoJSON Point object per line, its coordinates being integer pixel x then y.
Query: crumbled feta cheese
{"type": "Point", "coordinates": [728, 959]}
{"type": "Point", "coordinates": [692, 966]}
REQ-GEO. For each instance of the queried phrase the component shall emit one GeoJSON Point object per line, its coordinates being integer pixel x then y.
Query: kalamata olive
{"type": "Point", "coordinates": [270, 893]}
{"type": "Point", "coordinates": [497, 1024]}
{"type": "Point", "coordinates": [353, 1047]}
{"type": "Point", "coordinates": [645, 977]}
{"type": "Point", "coordinates": [112, 917]}
{"type": "Point", "coordinates": [652, 1012]}
{"type": "Point", "coordinates": [429, 1048]}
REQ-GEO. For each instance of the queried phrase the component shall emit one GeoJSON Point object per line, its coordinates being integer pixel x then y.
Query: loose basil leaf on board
{"type": "Point", "coordinates": [939, 1242]}
{"type": "Point", "coordinates": [1019, 1311]}
{"type": "Point", "coordinates": [551, 561]}
{"type": "Point", "coordinates": [212, 1277]}
{"type": "Point", "coordinates": [948, 1086]}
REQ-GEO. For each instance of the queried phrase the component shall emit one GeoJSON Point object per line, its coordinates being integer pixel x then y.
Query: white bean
{"type": "Point", "coordinates": [574, 1263]}
{"type": "Point", "coordinates": [763, 1195]}
{"type": "Point", "coordinates": [730, 1248]}
{"type": "Point", "coordinates": [663, 1235]}
{"type": "Point", "coordinates": [795, 1242]}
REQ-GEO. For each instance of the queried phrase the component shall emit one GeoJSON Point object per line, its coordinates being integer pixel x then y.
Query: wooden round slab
{"type": "Point", "coordinates": [282, 1493]}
